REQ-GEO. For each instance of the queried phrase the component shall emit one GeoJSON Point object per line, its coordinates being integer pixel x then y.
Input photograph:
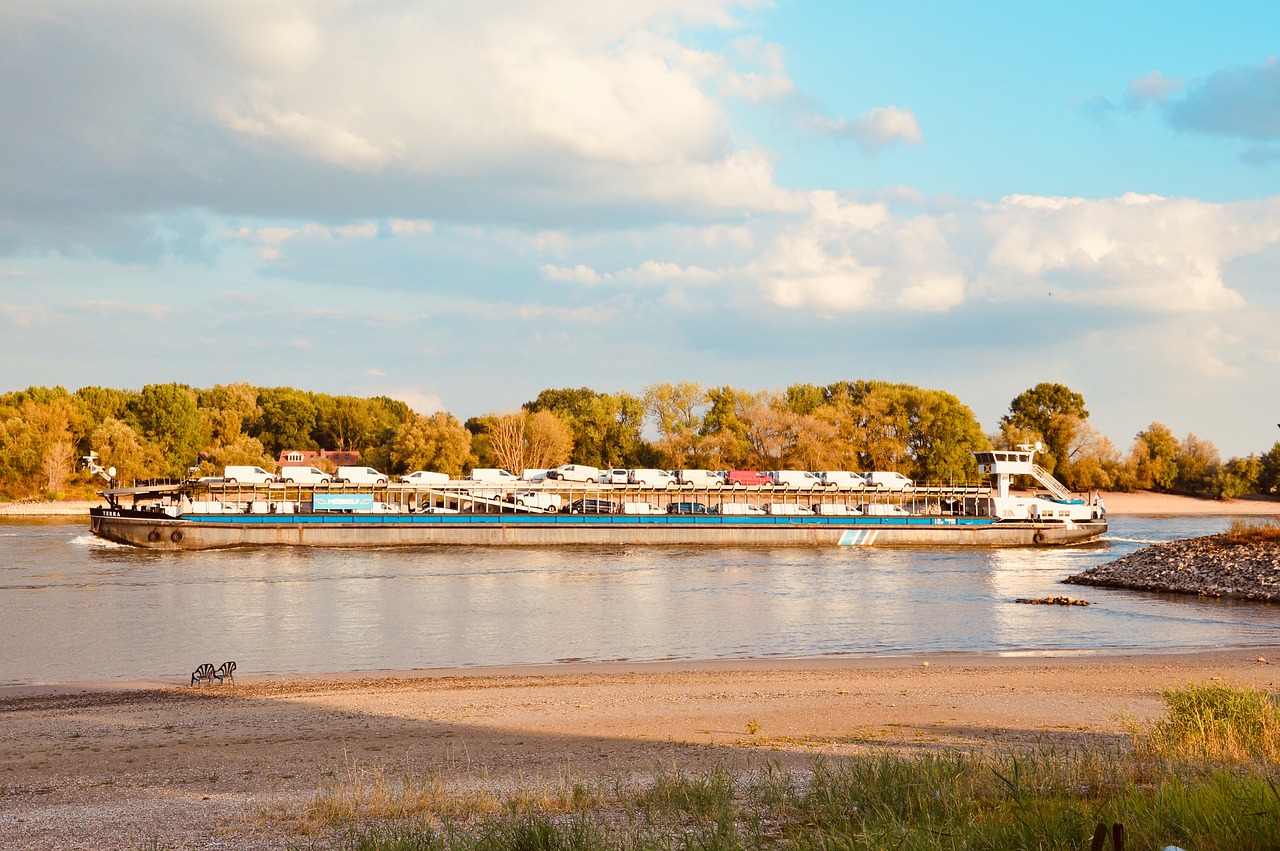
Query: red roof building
{"type": "Point", "coordinates": [308, 457]}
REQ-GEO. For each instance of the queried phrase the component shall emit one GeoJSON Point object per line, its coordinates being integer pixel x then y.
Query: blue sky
{"type": "Point", "coordinates": [460, 207]}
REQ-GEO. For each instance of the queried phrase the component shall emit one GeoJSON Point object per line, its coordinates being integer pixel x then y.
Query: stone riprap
{"type": "Point", "coordinates": [1215, 566]}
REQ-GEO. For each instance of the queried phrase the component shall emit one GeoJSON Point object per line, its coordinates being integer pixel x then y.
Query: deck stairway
{"type": "Point", "coordinates": [1055, 487]}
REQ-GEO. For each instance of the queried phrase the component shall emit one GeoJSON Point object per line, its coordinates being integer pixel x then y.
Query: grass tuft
{"type": "Point", "coordinates": [1214, 723]}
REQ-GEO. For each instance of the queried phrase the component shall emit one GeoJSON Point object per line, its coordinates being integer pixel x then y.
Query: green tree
{"type": "Point", "coordinates": [227, 411]}
{"type": "Point", "coordinates": [1051, 411]}
{"type": "Point", "coordinates": [1269, 472]}
{"type": "Point", "coordinates": [165, 416]}
{"type": "Point", "coordinates": [722, 440]}
{"type": "Point", "coordinates": [606, 428]}
{"type": "Point", "coordinates": [1153, 461]}
{"type": "Point", "coordinates": [1197, 462]}
{"type": "Point", "coordinates": [438, 442]}
{"type": "Point", "coordinates": [288, 418]}
{"type": "Point", "coordinates": [1237, 477]}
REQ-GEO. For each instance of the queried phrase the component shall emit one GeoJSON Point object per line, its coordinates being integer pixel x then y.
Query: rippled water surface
{"type": "Point", "coordinates": [76, 608]}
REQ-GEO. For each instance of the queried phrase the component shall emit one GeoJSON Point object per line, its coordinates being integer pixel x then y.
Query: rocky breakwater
{"type": "Point", "coordinates": [1242, 566]}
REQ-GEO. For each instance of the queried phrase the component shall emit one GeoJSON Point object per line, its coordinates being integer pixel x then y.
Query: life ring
{"type": "Point", "coordinates": [176, 536]}
{"type": "Point", "coordinates": [1038, 537]}
{"type": "Point", "coordinates": [153, 535]}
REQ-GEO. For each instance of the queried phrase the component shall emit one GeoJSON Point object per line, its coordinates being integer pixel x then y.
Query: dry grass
{"type": "Point", "coordinates": [1250, 531]}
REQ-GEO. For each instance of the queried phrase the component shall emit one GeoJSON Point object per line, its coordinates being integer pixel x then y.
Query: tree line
{"type": "Point", "coordinates": [166, 430]}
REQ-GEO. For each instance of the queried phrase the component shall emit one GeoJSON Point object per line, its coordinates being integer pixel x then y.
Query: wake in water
{"type": "Point", "coordinates": [88, 539]}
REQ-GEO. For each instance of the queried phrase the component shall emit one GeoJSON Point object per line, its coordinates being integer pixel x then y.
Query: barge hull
{"type": "Point", "coordinates": [156, 531]}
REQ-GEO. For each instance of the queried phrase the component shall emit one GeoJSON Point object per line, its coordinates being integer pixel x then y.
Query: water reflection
{"type": "Point", "coordinates": [74, 608]}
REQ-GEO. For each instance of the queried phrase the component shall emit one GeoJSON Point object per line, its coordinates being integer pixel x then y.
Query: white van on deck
{"type": "Point", "coordinates": [247, 476]}
{"type": "Point", "coordinates": [613, 477]}
{"type": "Point", "coordinates": [575, 473]}
{"type": "Point", "coordinates": [360, 476]}
{"type": "Point", "coordinates": [798, 479]}
{"type": "Point", "coordinates": [878, 509]}
{"type": "Point", "coordinates": [788, 509]}
{"type": "Point", "coordinates": [739, 509]}
{"type": "Point", "coordinates": [842, 480]}
{"type": "Point", "coordinates": [888, 481]}
{"type": "Point", "coordinates": [493, 474]}
{"type": "Point", "coordinates": [548, 502]}
{"type": "Point", "coordinates": [304, 476]}
{"type": "Point", "coordinates": [424, 477]}
{"type": "Point", "coordinates": [641, 508]}
{"type": "Point", "coordinates": [835, 509]}
{"type": "Point", "coordinates": [652, 478]}
{"type": "Point", "coordinates": [700, 478]}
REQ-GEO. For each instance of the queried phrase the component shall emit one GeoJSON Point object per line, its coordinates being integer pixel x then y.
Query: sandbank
{"type": "Point", "coordinates": [177, 766]}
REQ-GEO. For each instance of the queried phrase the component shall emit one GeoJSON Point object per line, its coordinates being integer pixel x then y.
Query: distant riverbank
{"type": "Point", "coordinates": [1120, 504]}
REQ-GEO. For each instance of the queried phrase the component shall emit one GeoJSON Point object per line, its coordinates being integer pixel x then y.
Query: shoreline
{"type": "Point", "coordinates": [1144, 503]}
{"type": "Point", "coordinates": [343, 680]}
{"type": "Point", "coordinates": [170, 764]}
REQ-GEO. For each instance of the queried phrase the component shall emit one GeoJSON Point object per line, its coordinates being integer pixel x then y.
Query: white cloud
{"type": "Point", "coordinates": [1143, 252]}
{"type": "Point", "coordinates": [271, 240]}
{"type": "Point", "coordinates": [410, 227]}
{"type": "Point", "coordinates": [872, 131]}
{"type": "Point", "coordinates": [542, 110]}
{"type": "Point", "coordinates": [1151, 88]}
{"type": "Point", "coordinates": [849, 256]}
{"type": "Point", "coordinates": [580, 274]}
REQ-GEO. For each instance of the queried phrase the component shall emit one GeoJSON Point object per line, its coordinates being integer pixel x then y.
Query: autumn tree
{"type": "Point", "coordinates": [676, 411]}
{"type": "Point", "coordinates": [119, 446]}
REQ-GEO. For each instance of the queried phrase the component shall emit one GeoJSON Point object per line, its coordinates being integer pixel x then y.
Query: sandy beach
{"type": "Point", "coordinates": [206, 767]}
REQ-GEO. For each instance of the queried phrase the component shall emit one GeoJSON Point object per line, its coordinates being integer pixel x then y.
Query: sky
{"type": "Point", "coordinates": [459, 205]}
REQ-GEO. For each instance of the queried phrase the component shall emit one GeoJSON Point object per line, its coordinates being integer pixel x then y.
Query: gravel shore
{"type": "Point", "coordinates": [1215, 566]}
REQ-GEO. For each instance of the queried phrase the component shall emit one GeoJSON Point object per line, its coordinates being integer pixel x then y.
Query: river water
{"type": "Point", "coordinates": [74, 608]}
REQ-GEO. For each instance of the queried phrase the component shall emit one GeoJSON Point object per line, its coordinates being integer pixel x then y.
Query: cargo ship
{"type": "Point", "coordinates": [197, 515]}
